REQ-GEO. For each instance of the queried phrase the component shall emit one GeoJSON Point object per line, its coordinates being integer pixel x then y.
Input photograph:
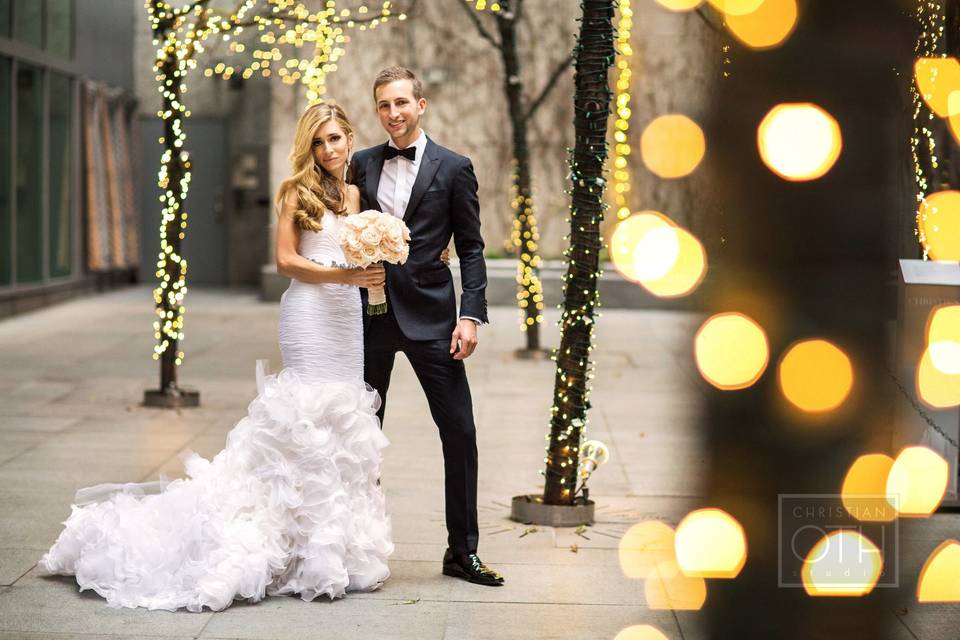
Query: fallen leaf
{"type": "Point", "coordinates": [529, 530]}
{"type": "Point", "coordinates": [574, 548]}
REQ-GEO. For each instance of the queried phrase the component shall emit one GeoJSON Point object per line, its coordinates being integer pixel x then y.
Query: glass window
{"type": "Point", "coordinates": [59, 38]}
{"type": "Point", "coordinates": [5, 18]}
{"type": "Point", "coordinates": [29, 217]}
{"type": "Point", "coordinates": [60, 241]}
{"type": "Point", "coordinates": [5, 235]}
{"type": "Point", "coordinates": [28, 21]}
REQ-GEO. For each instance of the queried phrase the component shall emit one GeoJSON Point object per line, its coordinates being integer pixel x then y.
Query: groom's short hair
{"type": "Point", "coordinates": [392, 74]}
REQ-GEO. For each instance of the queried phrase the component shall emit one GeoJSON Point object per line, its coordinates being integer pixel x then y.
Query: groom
{"type": "Point", "coordinates": [434, 190]}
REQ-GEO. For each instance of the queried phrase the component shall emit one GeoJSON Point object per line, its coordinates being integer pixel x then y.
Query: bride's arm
{"type": "Point", "coordinates": [292, 265]}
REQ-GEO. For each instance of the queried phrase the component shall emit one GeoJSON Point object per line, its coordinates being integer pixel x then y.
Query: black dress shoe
{"type": "Point", "coordinates": [467, 566]}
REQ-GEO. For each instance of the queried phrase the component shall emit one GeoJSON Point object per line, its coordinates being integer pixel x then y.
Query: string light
{"type": "Point", "coordinates": [524, 236]}
{"type": "Point", "coordinates": [286, 30]}
{"type": "Point", "coordinates": [923, 145]}
{"type": "Point", "coordinates": [621, 126]}
{"type": "Point", "coordinates": [179, 35]}
{"type": "Point", "coordinates": [594, 54]}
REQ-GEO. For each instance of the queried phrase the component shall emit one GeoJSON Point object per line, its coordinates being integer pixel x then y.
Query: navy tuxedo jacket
{"type": "Point", "coordinates": [443, 203]}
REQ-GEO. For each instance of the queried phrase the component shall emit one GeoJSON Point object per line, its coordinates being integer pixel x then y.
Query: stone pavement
{"type": "Point", "coordinates": [70, 386]}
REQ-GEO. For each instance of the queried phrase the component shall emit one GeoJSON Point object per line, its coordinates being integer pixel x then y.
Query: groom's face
{"type": "Point", "coordinates": [399, 111]}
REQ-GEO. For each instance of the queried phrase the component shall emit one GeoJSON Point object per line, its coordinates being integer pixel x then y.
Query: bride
{"type": "Point", "coordinates": [292, 504]}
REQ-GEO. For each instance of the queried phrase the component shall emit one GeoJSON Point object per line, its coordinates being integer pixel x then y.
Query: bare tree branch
{"type": "Point", "coordinates": [486, 35]}
{"type": "Point", "coordinates": [551, 82]}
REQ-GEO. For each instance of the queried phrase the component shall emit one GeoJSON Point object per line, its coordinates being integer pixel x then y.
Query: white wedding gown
{"type": "Point", "coordinates": [291, 505]}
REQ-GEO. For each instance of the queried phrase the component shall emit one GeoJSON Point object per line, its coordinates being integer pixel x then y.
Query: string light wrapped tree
{"type": "Point", "coordinates": [593, 57]}
{"type": "Point", "coordinates": [525, 235]}
{"type": "Point", "coordinates": [180, 34]}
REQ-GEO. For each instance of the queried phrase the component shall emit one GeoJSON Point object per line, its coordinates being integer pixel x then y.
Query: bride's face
{"type": "Point", "coordinates": [331, 146]}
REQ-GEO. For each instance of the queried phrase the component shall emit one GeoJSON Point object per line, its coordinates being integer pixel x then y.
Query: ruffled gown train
{"type": "Point", "coordinates": [291, 505]}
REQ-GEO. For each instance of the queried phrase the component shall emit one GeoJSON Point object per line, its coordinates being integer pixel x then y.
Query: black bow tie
{"type": "Point", "coordinates": [410, 153]}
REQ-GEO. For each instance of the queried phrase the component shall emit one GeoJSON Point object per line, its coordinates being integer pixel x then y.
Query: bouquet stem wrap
{"type": "Point", "coordinates": [376, 301]}
{"type": "Point", "coordinates": [373, 236]}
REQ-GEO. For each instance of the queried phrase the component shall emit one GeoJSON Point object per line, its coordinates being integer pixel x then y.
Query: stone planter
{"type": "Point", "coordinates": [530, 508]}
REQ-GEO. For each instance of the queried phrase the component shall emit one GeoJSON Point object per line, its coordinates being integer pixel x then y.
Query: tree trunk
{"type": "Point", "coordinates": [594, 55]}
{"type": "Point", "coordinates": [171, 269]}
{"type": "Point", "coordinates": [525, 234]}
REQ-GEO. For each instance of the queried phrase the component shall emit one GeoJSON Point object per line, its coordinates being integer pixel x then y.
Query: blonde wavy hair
{"type": "Point", "coordinates": [316, 188]}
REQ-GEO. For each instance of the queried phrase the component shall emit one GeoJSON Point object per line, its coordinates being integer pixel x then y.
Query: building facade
{"type": "Point", "coordinates": [56, 58]}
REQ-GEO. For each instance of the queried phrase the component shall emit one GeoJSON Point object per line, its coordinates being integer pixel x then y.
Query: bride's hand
{"type": "Point", "coordinates": [372, 276]}
{"type": "Point", "coordinates": [445, 256]}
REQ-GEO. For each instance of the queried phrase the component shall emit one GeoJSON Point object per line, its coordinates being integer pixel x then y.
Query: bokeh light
{"type": "Point", "coordinates": [936, 79]}
{"type": "Point", "coordinates": [865, 487]}
{"type": "Point", "coordinates": [644, 546]}
{"type": "Point", "coordinates": [731, 351]}
{"type": "Point", "coordinates": [943, 338]}
{"type": "Point", "coordinates": [680, 5]}
{"type": "Point", "coordinates": [687, 271]}
{"type": "Point", "coordinates": [640, 632]}
{"type": "Point", "coordinates": [799, 141]}
{"type": "Point", "coordinates": [627, 244]}
{"type": "Point", "coordinates": [935, 388]}
{"type": "Point", "coordinates": [668, 588]}
{"type": "Point", "coordinates": [710, 543]}
{"type": "Point", "coordinates": [939, 223]}
{"type": "Point", "coordinates": [842, 563]}
{"type": "Point", "coordinates": [736, 7]}
{"type": "Point", "coordinates": [656, 253]}
{"type": "Point", "coordinates": [917, 481]}
{"type": "Point", "coordinates": [766, 27]}
{"type": "Point", "coordinates": [815, 375]}
{"type": "Point", "coordinates": [672, 146]}
{"type": "Point", "coordinates": [938, 580]}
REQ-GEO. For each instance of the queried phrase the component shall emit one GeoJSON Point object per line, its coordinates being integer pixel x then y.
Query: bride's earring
{"type": "Point", "coordinates": [346, 165]}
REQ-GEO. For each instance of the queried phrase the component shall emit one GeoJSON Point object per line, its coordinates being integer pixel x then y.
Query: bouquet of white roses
{"type": "Point", "coordinates": [374, 236]}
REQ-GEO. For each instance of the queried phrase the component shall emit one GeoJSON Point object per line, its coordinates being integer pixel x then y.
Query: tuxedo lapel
{"type": "Point", "coordinates": [428, 169]}
{"type": "Point", "coordinates": [373, 171]}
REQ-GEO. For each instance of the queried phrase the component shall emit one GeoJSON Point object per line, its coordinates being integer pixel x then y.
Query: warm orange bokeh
{"type": "Point", "coordinates": [668, 588]}
{"type": "Point", "coordinates": [943, 338]}
{"type": "Point", "coordinates": [731, 351]}
{"type": "Point", "coordinates": [672, 146]}
{"type": "Point", "coordinates": [768, 26]}
{"type": "Point", "coordinates": [710, 543]}
{"type": "Point", "coordinates": [640, 632]}
{"type": "Point", "coordinates": [687, 271]}
{"type": "Point", "coordinates": [736, 7]}
{"type": "Point", "coordinates": [935, 388]}
{"type": "Point", "coordinates": [938, 221]}
{"type": "Point", "coordinates": [938, 579]}
{"type": "Point", "coordinates": [628, 242]}
{"type": "Point", "coordinates": [799, 141]}
{"type": "Point", "coordinates": [917, 481]}
{"type": "Point", "coordinates": [937, 79]}
{"type": "Point", "coordinates": [644, 546]}
{"type": "Point", "coordinates": [815, 375]}
{"type": "Point", "coordinates": [842, 563]}
{"type": "Point", "coordinates": [680, 5]}
{"type": "Point", "coordinates": [865, 486]}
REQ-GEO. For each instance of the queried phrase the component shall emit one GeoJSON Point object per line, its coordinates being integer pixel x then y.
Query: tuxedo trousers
{"type": "Point", "coordinates": [444, 382]}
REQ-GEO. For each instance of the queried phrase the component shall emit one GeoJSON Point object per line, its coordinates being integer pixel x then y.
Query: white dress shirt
{"type": "Point", "coordinates": [396, 183]}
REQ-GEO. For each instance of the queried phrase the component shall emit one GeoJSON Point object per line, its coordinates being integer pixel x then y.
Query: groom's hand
{"type": "Point", "coordinates": [466, 335]}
